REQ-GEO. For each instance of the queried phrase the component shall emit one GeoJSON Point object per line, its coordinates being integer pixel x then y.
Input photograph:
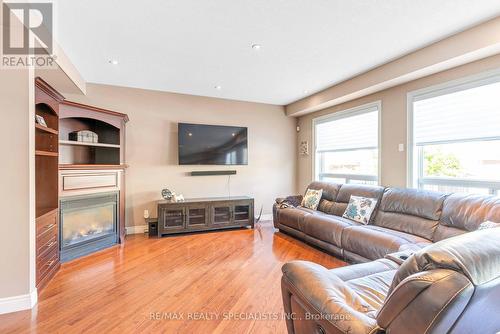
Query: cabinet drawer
{"type": "Point", "coordinates": [46, 242]}
{"type": "Point", "coordinates": [46, 262]}
{"type": "Point", "coordinates": [87, 181]}
{"type": "Point", "coordinates": [46, 224]}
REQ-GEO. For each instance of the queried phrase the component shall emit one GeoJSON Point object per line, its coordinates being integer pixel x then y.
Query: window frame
{"type": "Point", "coordinates": [414, 154]}
{"type": "Point", "coordinates": [346, 113]}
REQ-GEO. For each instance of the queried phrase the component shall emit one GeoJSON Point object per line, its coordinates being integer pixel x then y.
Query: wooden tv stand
{"type": "Point", "coordinates": [205, 214]}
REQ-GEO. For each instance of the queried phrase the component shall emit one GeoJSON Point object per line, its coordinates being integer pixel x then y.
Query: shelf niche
{"type": "Point", "coordinates": [109, 127]}
{"type": "Point", "coordinates": [74, 152]}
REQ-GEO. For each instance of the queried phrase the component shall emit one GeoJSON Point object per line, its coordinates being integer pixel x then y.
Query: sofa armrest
{"type": "Point", "coordinates": [294, 200]}
{"type": "Point", "coordinates": [314, 297]}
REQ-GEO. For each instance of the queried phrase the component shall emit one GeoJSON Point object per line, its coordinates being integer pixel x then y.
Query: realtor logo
{"type": "Point", "coordinates": [27, 34]}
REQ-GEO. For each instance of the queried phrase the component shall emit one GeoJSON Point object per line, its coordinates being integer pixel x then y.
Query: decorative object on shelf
{"type": "Point", "coordinates": [167, 194]}
{"type": "Point", "coordinates": [178, 198]}
{"type": "Point", "coordinates": [304, 147]}
{"type": "Point", "coordinates": [40, 120]}
{"type": "Point", "coordinates": [84, 136]}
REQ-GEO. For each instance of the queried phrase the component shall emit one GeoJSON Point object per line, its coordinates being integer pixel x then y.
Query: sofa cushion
{"type": "Point", "coordinates": [374, 242]}
{"type": "Point", "coordinates": [330, 191]}
{"type": "Point", "coordinates": [311, 198]}
{"type": "Point", "coordinates": [327, 228]}
{"type": "Point", "coordinates": [354, 271]}
{"type": "Point", "coordinates": [467, 212]}
{"type": "Point", "coordinates": [472, 254]}
{"type": "Point", "coordinates": [411, 211]}
{"type": "Point", "coordinates": [328, 294]}
{"type": "Point", "coordinates": [294, 217]}
{"type": "Point", "coordinates": [360, 209]}
{"type": "Point", "coordinates": [463, 213]}
{"type": "Point", "coordinates": [348, 190]}
{"type": "Point", "coordinates": [420, 203]}
{"type": "Point", "coordinates": [373, 288]}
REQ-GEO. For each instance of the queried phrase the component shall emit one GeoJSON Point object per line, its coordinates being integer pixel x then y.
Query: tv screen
{"type": "Point", "coordinates": [212, 145]}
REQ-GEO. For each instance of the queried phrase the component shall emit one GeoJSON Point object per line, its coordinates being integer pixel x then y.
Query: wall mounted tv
{"type": "Point", "coordinates": [201, 144]}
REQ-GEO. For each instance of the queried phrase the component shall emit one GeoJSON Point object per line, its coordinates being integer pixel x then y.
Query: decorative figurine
{"type": "Point", "coordinates": [167, 194]}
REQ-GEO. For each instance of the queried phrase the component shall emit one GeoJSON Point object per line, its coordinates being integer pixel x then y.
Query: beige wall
{"type": "Point", "coordinates": [394, 122]}
{"type": "Point", "coordinates": [16, 204]}
{"type": "Point", "coordinates": [152, 146]}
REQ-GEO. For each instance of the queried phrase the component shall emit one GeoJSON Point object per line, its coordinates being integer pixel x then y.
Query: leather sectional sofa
{"type": "Point", "coordinates": [404, 219]}
{"type": "Point", "coordinates": [418, 270]}
{"type": "Point", "coordinates": [452, 286]}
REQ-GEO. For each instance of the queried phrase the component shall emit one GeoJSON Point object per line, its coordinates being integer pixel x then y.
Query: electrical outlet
{"type": "Point", "coordinates": [401, 147]}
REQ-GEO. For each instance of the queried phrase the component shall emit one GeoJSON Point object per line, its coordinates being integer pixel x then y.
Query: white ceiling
{"type": "Point", "coordinates": [191, 46]}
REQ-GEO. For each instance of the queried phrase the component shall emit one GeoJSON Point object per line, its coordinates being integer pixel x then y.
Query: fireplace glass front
{"type": "Point", "coordinates": [88, 224]}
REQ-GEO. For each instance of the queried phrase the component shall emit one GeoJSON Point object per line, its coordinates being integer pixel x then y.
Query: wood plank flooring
{"type": "Point", "coordinates": [219, 282]}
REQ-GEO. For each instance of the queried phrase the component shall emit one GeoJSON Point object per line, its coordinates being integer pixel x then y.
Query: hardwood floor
{"type": "Point", "coordinates": [160, 285]}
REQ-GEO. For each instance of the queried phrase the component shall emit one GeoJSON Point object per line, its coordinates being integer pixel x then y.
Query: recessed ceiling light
{"type": "Point", "coordinates": [218, 87]}
{"type": "Point", "coordinates": [306, 92]}
{"type": "Point", "coordinates": [256, 46]}
{"type": "Point", "coordinates": [113, 61]}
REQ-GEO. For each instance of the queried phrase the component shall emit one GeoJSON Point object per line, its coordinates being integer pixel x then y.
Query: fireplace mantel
{"type": "Point", "coordinates": [88, 169]}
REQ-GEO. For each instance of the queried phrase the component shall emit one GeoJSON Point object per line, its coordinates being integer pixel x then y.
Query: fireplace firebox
{"type": "Point", "coordinates": [88, 223]}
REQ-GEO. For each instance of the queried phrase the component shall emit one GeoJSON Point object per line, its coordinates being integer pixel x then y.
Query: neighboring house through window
{"type": "Point", "coordinates": [454, 136]}
{"type": "Point", "coordinates": [346, 145]}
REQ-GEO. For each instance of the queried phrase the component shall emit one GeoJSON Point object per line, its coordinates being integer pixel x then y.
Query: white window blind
{"type": "Point", "coordinates": [464, 115]}
{"type": "Point", "coordinates": [350, 132]}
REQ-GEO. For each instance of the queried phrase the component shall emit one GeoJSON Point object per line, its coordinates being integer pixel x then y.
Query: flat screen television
{"type": "Point", "coordinates": [201, 144]}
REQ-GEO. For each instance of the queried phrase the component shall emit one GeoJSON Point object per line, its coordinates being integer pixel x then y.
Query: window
{"type": "Point", "coordinates": [347, 146]}
{"type": "Point", "coordinates": [455, 137]}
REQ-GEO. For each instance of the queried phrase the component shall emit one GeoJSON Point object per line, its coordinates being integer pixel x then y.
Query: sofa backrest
{"type": "Point", "coordinates": [411, 211]}
{"type": "Point", "coordinates": [336, 196]}
{"type": "Point", "coordinates": [456, 277]}
{"type": "Point", "coordinates": [348, 190]}
{"type": "Point", "coordinates": [464, 213]}
{"type": "Point", "coordinates": [330, 191]}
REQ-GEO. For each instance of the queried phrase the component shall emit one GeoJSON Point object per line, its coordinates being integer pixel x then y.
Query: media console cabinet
{"type": "Point", "coordinates": [205, 214]}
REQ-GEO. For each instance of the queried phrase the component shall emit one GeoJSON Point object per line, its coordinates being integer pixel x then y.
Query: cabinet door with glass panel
{"type": "Point", "coordinates": [197, 216]}
{"type": "Point", "coordinates": [222, 213]}
{"type": "Point", "coordinates": [171, 218]}
{"type": "Point", "coordinates": [243, 213]}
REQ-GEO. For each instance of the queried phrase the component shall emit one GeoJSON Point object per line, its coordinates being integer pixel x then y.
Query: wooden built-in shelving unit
{"type": "Point", "coordinates": [109, 127]}
{"type": "Point", "coordinates": [89, 161]}
{"type": "Point", "coordinates": [47, 102]}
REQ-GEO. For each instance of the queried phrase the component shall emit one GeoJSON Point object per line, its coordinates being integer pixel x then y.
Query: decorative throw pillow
{"type": "Point", "coordinates": [488, 224]}
{"type": "Point", "coordinates": [360, 209]}
{"type": "Point", "coordinates": [311, 198]}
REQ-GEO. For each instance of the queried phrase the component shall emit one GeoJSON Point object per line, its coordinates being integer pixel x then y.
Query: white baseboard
{"type": "Point", "coordinates": [137, 229]}
{"type": "Point", "coordinates": [18, 303]}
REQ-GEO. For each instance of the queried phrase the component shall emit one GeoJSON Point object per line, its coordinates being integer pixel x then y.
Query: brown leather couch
{"type": "Point", "coordinates": [452, 277]}
{"type": "Point", "coordinates": [452, 286]}
{"type": "Point", "coordinates": [404, 219]}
